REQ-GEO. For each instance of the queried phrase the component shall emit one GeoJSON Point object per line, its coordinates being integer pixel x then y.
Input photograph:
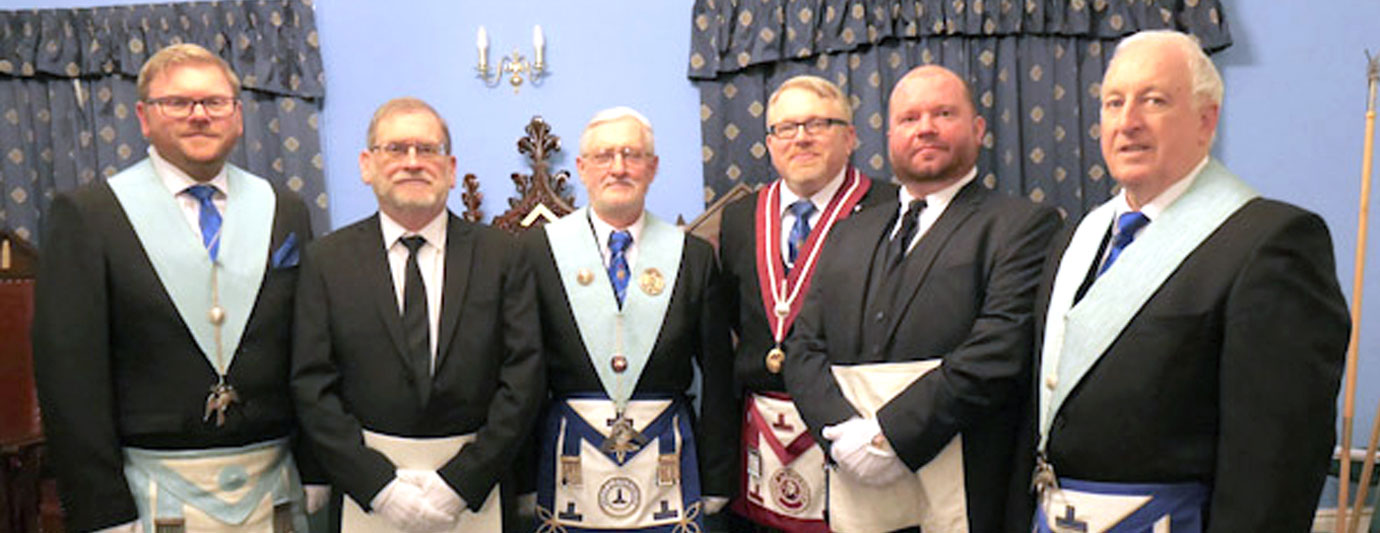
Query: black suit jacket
{"type": "Point", "coordinates": [116, 366]}
{"type": "Point", "coordinates": [738, 255]}
{"type": "Point", "coordinates": [966, 296]}
{"type": "Point", "coordinates": [694, 332]}
{"type": "Point", "coordinates": [349, 367]}
{"type": "Point", "coordinates": [1227, 376]}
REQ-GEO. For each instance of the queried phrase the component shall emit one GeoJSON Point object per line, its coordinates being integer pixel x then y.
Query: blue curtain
{"type": "Point", "coordinates": [67, 95]}
{"type": "Point", "coordinates": [1034, 66]}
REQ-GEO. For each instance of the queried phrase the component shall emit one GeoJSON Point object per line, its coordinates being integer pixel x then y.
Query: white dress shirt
{"type": "Point", "coordinates": [431, 259]}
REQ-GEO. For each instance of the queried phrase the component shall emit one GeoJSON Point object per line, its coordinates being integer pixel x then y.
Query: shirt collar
{"type": "Point", "coordinates": [434, 232]}
{"type": "Point", "coordinates": [938, 200]}
{"type": "Point", "coordinates": [820, 198]}
{"type": "Point", "coordinates": [1156, 206]}
{"type": "Point", "coordinates": [603, 229]}
{"type": "Point", "coordinates": [177, 181]}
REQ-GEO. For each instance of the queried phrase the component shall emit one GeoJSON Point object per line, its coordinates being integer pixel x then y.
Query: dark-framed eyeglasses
{"type": "Point", "coordinates": [814, 126]}
{"type": "Point", "coordinates": [181, 107]}
{"type": "Point", "coordinates": [631, 157]}
{"type": "Point", "coordinates": [400, 150]}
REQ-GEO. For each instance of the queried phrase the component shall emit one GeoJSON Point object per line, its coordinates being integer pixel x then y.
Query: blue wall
{"type": "Point", "coordinates": [1292, 122]}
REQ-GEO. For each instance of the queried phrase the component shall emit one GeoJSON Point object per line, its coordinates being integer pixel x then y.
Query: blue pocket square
{"type": "Point", "coordinates": [287, 254]}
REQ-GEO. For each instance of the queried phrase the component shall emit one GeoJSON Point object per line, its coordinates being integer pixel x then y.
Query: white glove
{"type": "Point", "coordinates": [127, 527]}
{"type": "Point", "coordinates": [317, 496]}
{"type": "Point", "coordinates": [852, 448]}
{"type": "Point", "coordinates": [435, 490]}
{"type": "Point", "coordinates": [404, 505]}
{"type": "Point", "coordinates": [714, 504]}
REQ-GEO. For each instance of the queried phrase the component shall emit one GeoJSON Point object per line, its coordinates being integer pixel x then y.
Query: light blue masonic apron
{"type": "Point", "coordinates": [588, 482]}
{"type": "Point", "coordinates": [1076, 336]}
{"type": "Point", "coordinates": [252, 488]}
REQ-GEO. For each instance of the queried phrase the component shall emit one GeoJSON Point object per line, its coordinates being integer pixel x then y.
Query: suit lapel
{"type": "Point", "coordinates": [869, 235]}
{"type": "Point", "coordinates": [916, 266]}
{"type": "Point", "coordinates": [377, 279]}
{"type": "Point", "coordinates": [459, 253]}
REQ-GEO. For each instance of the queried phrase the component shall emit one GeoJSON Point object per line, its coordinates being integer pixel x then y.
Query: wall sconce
{"type": "Point", "coordinates": [514, 65]}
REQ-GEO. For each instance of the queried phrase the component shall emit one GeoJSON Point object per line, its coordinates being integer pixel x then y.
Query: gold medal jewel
{"type": "Point", "coordinates": [652, 282]}
{"type": "Point", "coordinates": [775, 357]}
{"type": "Point", "coordinates": [584, 276]}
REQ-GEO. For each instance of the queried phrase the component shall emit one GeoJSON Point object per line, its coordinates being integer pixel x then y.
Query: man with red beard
{"type": "Point", "coordinates": [910, 359]}
{"type": "Point", "coordinates": [163, 319]}
{"type": "Point", "coordinates": [417, 358]}
{"type": "Point", "coordinates": [769, 244]}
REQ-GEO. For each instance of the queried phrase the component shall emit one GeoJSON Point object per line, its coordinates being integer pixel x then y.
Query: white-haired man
{"type": "Point", "coordinates": [629, 306]}
{"type": "Point", "coordinates": [1192, 332]}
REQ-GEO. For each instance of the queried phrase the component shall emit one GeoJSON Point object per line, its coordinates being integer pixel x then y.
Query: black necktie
{"type": "Point", "coordinates": [416, 326]}
{"type": "Point", "coordinates": [910, 221]}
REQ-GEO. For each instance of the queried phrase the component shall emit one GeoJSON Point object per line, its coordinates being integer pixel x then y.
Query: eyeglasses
{"type": "Point", "coordinates": [401, 150]}
{"type": "Point", "coordinates": [814, 126]}
{"type": "Point", "coordinates": [631, 157]}
{"type": "Point", "coordinates": [179, 107]}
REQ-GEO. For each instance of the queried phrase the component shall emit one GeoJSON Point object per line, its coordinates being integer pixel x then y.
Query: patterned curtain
{"type": "Point", "coordinates": [67, 94]}
{"type": "Point", "coordinates": [1034, 66]}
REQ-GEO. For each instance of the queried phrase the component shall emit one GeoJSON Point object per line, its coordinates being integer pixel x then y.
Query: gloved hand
{"type": "Point", "coordinates": [127, 527]}
{"type": "Point", "coordinates": [714, 504]}
{"type": "Point", "coordinates": [405, 506]}
{"type": "Point", "coordinates": [435, 490]}
{"type": "Point", "coordinates": [317, 497]}
{"type": "Point", "coordinates": [853, 449]}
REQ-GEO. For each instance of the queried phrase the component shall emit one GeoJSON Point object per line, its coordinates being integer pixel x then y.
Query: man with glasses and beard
{"type": "Point", "coordinates": [163, 322]}
{"type": "Point", "coordinates": [417, 362]}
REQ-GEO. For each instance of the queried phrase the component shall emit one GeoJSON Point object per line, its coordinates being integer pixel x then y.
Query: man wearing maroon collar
{"type": "Point", "coordinates": [770, 242]}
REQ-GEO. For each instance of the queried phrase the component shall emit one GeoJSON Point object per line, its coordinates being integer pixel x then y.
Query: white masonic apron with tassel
{"type": "Point", "coordinates": [422, 454]}
{"type": "Point", "coordinates": [613, 460]}
{"type": "Point", "coordinates": [933, 499]}
{"type": "Point", "coordinates": [1076, 336]}
{"type": "Point", "coordinates": [782, 481]}
{"type": "Point", "coordinates": [248, 488]}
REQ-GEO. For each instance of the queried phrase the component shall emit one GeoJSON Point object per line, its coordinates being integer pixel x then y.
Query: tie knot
{"type": "Point", "coordinates": [1129, 223]}
{"type": "Point", "coordinates": [203, 193]}
{"type": "Point", "coordinates": [619, 241]}
{"type": "Point", "coordinates": [802, 208]}
{"type": "Point", "coordinates": [413, 243]}
{"type": "Point", "coordinates": [914, 208]}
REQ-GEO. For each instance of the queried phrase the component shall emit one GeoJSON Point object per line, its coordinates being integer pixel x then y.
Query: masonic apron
{"type": "Point", "coordinates": [934, 499]}
{"type": "Point", "coordinates": [613, 460]}
{"type": "Point", "coordinates": [782, 481]}
{"type": "Point", "coordinates": [421, 454]}
{"type": "Point", "coordinates": [1078, 333]}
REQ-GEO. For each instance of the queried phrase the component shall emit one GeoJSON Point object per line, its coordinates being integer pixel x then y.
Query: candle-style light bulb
{"type": "Point", "coordinates": [482, 42]}
{"type": "Point", "coordinates": [539, 43]}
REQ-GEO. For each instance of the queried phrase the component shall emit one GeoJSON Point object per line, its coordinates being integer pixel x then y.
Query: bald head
{"type": "Point", "coordinates": [933, 131]}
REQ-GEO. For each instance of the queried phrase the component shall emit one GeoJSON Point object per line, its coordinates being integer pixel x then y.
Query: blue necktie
{"type": "Point", "coordinates": [210, 217]}
{"type": "Point", "coordinates": [618, 263]}
{"type": "Point", "coordinates": [1126, 227]}
{"type": "Point", "coordinates": [802, 209]}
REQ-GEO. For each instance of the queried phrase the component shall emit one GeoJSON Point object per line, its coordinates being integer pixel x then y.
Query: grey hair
{"type": "Point", "coordinates": [615, 114]}
{"type": "Point", "coordinates": [1207, 82]}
